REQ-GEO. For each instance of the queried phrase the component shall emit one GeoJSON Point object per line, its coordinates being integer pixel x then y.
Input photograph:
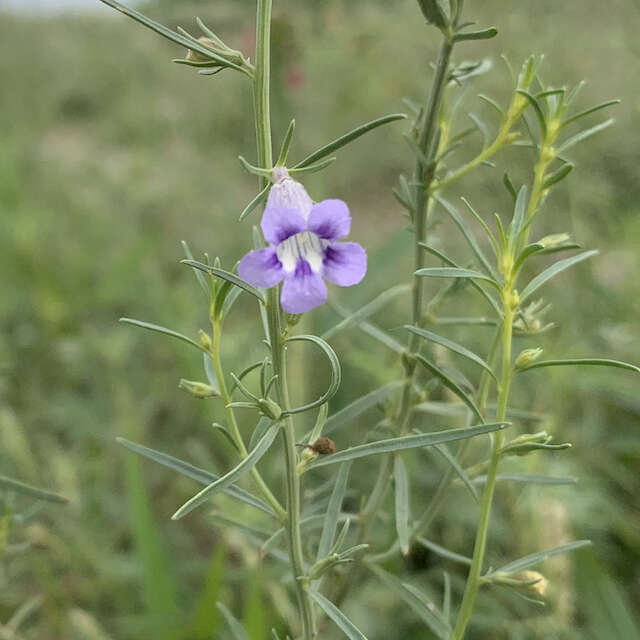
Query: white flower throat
{"type": "Point", "coordinates": [306, 245]}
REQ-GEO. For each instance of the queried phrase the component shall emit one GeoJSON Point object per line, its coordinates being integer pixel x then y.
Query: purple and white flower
{"type": "Point", "coordinates": [304, 248]}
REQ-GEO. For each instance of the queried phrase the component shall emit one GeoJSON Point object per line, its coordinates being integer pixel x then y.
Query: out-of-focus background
{"type": "Point", "coordinates": [110, 155]}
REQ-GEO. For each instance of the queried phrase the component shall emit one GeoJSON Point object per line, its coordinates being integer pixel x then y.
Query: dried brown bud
{"type": "Point", "coordinates": [322, 446]}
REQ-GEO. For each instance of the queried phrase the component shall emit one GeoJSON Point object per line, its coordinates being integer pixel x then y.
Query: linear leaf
{"type": "Point", "coordinates": [451, 272]}
{"type": "Point", "coordinates": [158, 329]}
{"type": "Point", "coordinates": [430, 606]}
{"type": "Point", "coordinates": [255, 202]}
{"type": "Point", "coordinates": [352, 135]}
{"type": "Point", "coordinates": [583, 135]}
{"type": "Point", "coordinates": [444, 553]}
{"type": "Point", "coordinates": [336, 371]}
{"type": "Point", "coordinates": [540, 556]}
{"type": "Point", "coordinates": [226, 275]}
{"type": "Point", "coordinates": [519, 211]}
{"type": "Point", "coordinates": [367, 310]}
{"type": "Point", "coordinates": [199, 277]}
{"type": "Point", "coordinates": [405, 442]}
{"type": "Point", "coordinates": [460, 472]}
{"type": "Point", "coordinates": [286, 143]}
{"type": "Point", "coordinates": [426, 613]}
{"type": "Point", "coordinates": [528, 479]}
{"type": "Point", "coordinates": [32, 492]}
{"type": "Point", "coordinates": [229, 478]}
{"type": "Point", "coordinates": [359, 406]}
{"type": "Point", "coordinates": [554, 270]}
{"type": "Point", "coordinates": [401, 482]}
{"type": "Point", "coordinates": [455, 215]}
{"type": "Point", "coordinates": [484, 34]}
{"type": "Point", "coordinates": [451, 345]}
{"type": "Point", "coordinates": [195, 473]}
{"type": "Point", "coordinates": [345, 625]}
{"type": "Point", "coordinates": [587, 112]}
{"type": "Point", "coordinates": [334, 509]}
{"type": "Point", "coordinates": [602, 362]}
{"type": "Point", "coordinates": [194, 45]}
{"type": "Point", "coordinates": [451, 385]}
{"type": "Point", "coordinates": [236, 628]}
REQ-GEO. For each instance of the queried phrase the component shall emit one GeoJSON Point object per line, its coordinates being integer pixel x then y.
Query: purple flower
{"type": "Point", "coordinates": [303, 247]}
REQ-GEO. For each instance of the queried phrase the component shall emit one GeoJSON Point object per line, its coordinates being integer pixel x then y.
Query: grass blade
{"type": "Point", "coordinates": [342, 622]}
{"type": "Point", "coordinates": [229, 478]}
{"type": "Point", "coordinates": [554, 270]}
{"type": "Point", "coordinates": [237, 630]}
{"type": "Point", "coordinates": [405, 442]}
{"type": "Point", "coordinates": [32, 492]}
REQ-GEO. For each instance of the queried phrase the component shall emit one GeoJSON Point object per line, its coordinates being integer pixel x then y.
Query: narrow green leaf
{"type": "Point", "coordinates": [554, 270]}
{"type": "Point", "coordinates": [321, 420]}
{"type": "Point", "coordinates": [460, 472]}
{"type": "Point", "coordinates": [538, 110]}
{"type": "Point", "coordinates": [336, 371]}
{"type": "Point", "coordinates": [536, 558]}
{"type": "Point", "coordinates": [158, 329]}
{"type": "Point", "coordinates": [444, 553]}
{"type": "Point", "coordinates": [598, 362]}
{"type": "Point", "coordinates": [405, 442]}
{"type": "Point", "coordinates": [286, 143]}
{"type": "Point", "coordinates": [359, 406]}
{"type": "Point", "coordinates": [195, 473]}
{"type": "Point", "coordinates": [451, 385]}
{"type": "Point", "coordinates": [255, 202]}
{"type": "Point", "coordinates": [367, 310]}
{"type": "Point", "coordinates": [194, 45]}
{"type": "Point", "coordinates": [258, 431]}
{"type": "Point", "coordinates": [428, 614]}
{"type": "Point", "coordinates": [226, 275]}
{"type": "Point", "coordinates": [589, 111]}
{"type": "Point", "coordinates": [342, 622]}
{"type": "Point", "coordinates": [451, 272]}
{"type": "Point", "coordinates": [237, 630]}
{"type": "Point", "coordinates": [452, 346]}
{"type": "Point", "coordinates": [493, 104]}
{"type": "Point", "coordinates": [446, 597]}
{"type": "Point", "coordinates": [454, 214]}
{"type": "Point", "coordinates": [312, 168]}
{"type": "Point", "coordinates": [200, 278]}
{"type": "Point", "coordinates": [352, 135]}
{"type": "Point", "coordinates": [229, 478]}
{"type": "Point", "coordinates": [32, 492]}
{"type": "Point", "coordinates": [334, 509]}
{"type": "Point", "coordinates": [484, 34]}
{"type": "Point", "coordinates": [401, 483]}
{"type": "Point", "coordinates": [528, 479]}
{"type": "Point", "coordinates": [583, 135]}
{"type": "Point", "coordinates": [430, 606]}
{"type": "Point", "coordinates": [519, 211]}
{"type": "Point", "coordinates": [558, 175]}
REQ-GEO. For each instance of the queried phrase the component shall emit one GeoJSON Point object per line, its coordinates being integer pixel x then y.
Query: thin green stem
{"type": "Point", "coordinates": [479, 549]}
{"type": "Point", "coordinates": [265, 159]}
{"type": "Point", "coordinates": [233, 424]}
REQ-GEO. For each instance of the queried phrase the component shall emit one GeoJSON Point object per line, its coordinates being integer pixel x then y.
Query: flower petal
{"type": "Point", "coordinates": [303, 289]}
{"type": "Point", "coordinates": [278, 224]}
{"type": "Point", "coordinates": [345, 263]}
{"type": "Point", "coordinates": [261, 268]}
{"type": "Point", "coordinates": [330, 219]}
{"type": "Point", "coordinates": [286, 193]}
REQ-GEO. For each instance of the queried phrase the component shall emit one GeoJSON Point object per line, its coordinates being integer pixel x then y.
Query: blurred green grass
{"type": "Point", "coordinates": [111, 155]}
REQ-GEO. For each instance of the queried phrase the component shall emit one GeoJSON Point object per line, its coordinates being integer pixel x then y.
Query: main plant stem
{"type": "Point", "coordinates": [276, 337]}
{"type": "Point", "coordinates": [479, 549]}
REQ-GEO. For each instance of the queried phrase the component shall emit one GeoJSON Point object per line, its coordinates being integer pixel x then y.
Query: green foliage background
{"type": "Point", "coordinates": [110, 155]}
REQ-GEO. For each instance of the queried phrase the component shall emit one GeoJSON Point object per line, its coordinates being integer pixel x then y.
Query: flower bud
{"type": "Point", "coordinates": [198, 389]}
{"type": "Point", "coordinates": [270, 408]}
{"type": "Point", "coordinates": [533, 581]}
{"type": "Point", "coordinates": [196, 56]}
{"type": "Point", "coordinates": [528, 356]}
{"type": "Point", "coordinates": [286, 193]}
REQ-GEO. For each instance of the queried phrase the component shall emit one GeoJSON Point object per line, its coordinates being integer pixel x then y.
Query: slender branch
{"type": "Point", "coordinates": [265, 159]}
